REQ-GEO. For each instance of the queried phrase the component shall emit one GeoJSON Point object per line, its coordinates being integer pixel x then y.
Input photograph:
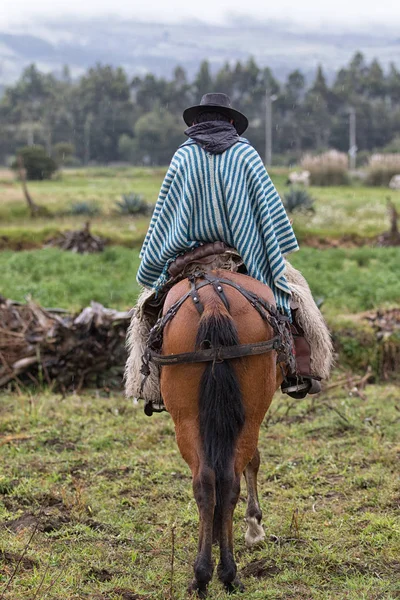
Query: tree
{"type": "Point", "coordinates": [36, 162]}
{"type": "Point", "coordinates": [393, 84]}
{"type": "Point", "coordinates": [102, 113]}
{"type": "Point", "coordinates": [294, 89]}
{"type": "Point", "coordinates": [375, 83]}
{"type": "Point", "coordinates": [157, 136]}
{"type": "Point", "coordinates": [203, 82]}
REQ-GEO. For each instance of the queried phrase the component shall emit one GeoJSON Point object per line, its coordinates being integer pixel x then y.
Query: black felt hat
{"type": "Point", "coordinates": [219, 103]}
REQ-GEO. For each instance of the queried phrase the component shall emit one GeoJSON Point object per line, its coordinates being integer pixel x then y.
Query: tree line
{"type": "Point", "coordinates": [104, 116]}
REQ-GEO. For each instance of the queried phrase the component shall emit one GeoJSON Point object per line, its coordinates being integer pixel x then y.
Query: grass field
{"type": "Point", "coordinates": [100, 487]}
{"type": "Point", "coordinates": [105, 486]}
{"type": "Point", "coordinates": [354, 280]}
{"type": "Point", "coordinates": [356, 212]}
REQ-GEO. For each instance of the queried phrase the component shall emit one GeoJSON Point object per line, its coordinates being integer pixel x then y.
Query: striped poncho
{"type": "Point", "coordinates": [225, 197]}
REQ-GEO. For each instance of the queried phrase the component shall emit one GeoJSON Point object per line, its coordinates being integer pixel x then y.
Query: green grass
{"type": "Point", "coordinates": [107, 485]}
{"type": "Point", "coordinates": [355, 211]}
{"type": "Point", "coordinates": [351, 280]}
{"type": "Point", "coordinates": [348, 281]}
{"type": "Point", "coordinates": [345, 211]}
{"type": "Point", "coordinates": [100, 186]}
{"type": "Point", "coordinates": [54, 277]}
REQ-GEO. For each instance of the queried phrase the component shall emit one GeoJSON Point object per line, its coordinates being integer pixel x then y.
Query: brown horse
{"type": "Point", "coordinates": [217, 409]}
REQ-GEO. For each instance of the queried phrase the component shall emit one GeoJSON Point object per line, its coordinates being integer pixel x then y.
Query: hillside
{"type": "Point", "coordinates": [141, 47]}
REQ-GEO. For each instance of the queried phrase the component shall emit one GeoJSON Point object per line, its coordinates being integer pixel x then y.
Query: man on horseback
{"type": "Point", "coordinates": [218, 190]}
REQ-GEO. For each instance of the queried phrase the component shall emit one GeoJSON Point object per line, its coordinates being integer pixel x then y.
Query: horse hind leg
{"type": "Point", "coordinates": [204, 493]}
{"type": "Point", "coordinates": [255, 532]}
{"type": "Point", "coordinates": [228, 489]}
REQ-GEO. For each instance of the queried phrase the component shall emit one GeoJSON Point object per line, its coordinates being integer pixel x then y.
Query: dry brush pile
{"type": "Point", "coordinates": [81, 241]}
{"type": "Point", "coordinates": [69, 352]}
{"type": "Point", "coordinates": [65, 351]}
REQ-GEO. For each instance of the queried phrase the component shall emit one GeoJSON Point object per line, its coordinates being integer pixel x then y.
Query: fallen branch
{"type": "Point", "coordinates": [11, 438]}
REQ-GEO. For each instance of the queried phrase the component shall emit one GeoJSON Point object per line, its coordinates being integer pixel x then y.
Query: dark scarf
{"type": "Point", "coordinates": [213, 136]}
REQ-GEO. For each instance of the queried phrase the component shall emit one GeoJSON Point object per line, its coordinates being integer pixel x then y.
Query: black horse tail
{"type": "Point", "coordinates": [221, 410]}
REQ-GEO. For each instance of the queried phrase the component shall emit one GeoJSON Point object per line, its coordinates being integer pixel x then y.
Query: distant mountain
{"type": "Point", "coordinates": [158, 48]}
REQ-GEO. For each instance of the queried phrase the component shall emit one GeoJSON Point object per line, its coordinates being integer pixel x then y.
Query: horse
{"type": "Point", "coordinates": [218, 406]}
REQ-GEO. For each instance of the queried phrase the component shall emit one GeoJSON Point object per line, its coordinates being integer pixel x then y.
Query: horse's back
{"type": "Point", "coordinates": [238, 301]}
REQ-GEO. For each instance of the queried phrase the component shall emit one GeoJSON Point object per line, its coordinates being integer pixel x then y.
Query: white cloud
{"type": "Point", "coordinates": [340, 12]}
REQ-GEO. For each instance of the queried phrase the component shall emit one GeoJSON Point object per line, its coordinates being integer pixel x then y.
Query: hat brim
{"type": "Point", "coordinates": [240, 122]}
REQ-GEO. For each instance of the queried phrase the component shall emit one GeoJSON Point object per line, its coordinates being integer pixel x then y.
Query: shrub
{"type": "Point", "coordinates": [133, 204]}
{"type": "Point", "coordinates": [382, 167]}
{"type": "Point", "coordinates": [84, 208]}
{"type": "Point", "coordinates": [126, 148]}
{"type": "Point", "coordinates": [393, 145]}
{"type": "Point", "coordinates": [298, 199]}
{"type": "Point", "coordinates": [329, 168]}
{"type": "Point", "coordinates": [64, 153]}
{"type": "Point", "coordinates": [38, 165]}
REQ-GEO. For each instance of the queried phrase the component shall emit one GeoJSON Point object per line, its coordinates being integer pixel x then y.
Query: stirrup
{"type": "Point", "coordinates": [154, 406]}
{"type": "Point", "coordinates": [299, 387]}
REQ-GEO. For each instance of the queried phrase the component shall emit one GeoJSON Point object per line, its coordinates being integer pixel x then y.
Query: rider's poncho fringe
{"type": "Point", "coordinates": [225, 197]}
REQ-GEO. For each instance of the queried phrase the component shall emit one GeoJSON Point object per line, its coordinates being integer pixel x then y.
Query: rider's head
{"type": "Point", "coordinates": [211, 116]}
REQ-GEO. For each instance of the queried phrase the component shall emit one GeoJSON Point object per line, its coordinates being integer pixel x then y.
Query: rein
{"type": "Point", "coordinates": [281, 342]}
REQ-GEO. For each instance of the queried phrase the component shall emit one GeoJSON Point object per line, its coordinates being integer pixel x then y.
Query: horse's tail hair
{"type": "Point", "coordinates": [221, 410]}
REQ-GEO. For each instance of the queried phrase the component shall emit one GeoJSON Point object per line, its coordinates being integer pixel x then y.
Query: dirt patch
{"type": "Point", "coordinates": [394, 503]}
{"type": "Point", "coordinates": [260, 569]}
{"type": "Point", "coordinates": [121, 594]}
{"type": "Point", "coordinates": [59, 445]}
{"type": "Point", "coordinates": [10, 559]}
{"type": "Point", "coordinates": [124, 594]}
{"type": "Point", "coordinates": [114, 474]}
{"type": "Point", "coordinates": [53, 516]}
{"type": "Point", "coordinates": [98, 526]}
{"type": "Point", "coordinates": [346, 241]}
{"type": "Point", "coordinates": [18, 502]}
{"type": "Point", "coordinates": [99, 575]}
{"type": "Point", "coordinates": [7, 243]}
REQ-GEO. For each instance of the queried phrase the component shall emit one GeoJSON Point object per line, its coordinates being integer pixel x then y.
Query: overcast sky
{"type": "Point", "coordinates": [346, 13]}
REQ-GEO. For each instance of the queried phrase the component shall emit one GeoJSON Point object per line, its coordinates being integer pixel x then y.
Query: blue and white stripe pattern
{"type": "Point", "coordinates": [225, 197]}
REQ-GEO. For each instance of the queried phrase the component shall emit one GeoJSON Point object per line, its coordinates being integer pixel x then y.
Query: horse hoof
{"type": "Point", "coordinates": [255, 534]}
{"type": "Point", "coordinates": [197, 589]}
{"type": "Point", "coordinates": [235, 587]}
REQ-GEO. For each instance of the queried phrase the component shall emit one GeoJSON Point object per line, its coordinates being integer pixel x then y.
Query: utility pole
{"type": "Point", "coordinates": [352, 139]}
{"type": "Point", "coordinates": [269, 99]}
{"type": "Point", "coordinates": [86, 138]}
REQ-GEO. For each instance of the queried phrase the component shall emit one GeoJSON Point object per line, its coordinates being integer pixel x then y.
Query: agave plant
{"type": "Point", "coordinates": [84, 208]}
{"type": "Point", "coordinates": [133, 204]}
{"type": "Point", "coordinates": [298, 199]}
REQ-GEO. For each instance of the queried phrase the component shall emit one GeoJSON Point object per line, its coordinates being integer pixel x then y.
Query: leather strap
{"type": "Point", "coordinates": [216, 354]}
{"type": "Point", "coordinates": [195, 295]}
{"type": "Point", "coordinates": [281, 342]}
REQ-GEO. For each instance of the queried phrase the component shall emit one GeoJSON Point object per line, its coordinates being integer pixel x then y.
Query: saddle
{"type": "Point", "coordinates": [205, 255]}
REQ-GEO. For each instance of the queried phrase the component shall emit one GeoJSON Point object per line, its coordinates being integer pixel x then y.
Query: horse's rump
{"type": "Point", "coordinates": [180, 384]}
